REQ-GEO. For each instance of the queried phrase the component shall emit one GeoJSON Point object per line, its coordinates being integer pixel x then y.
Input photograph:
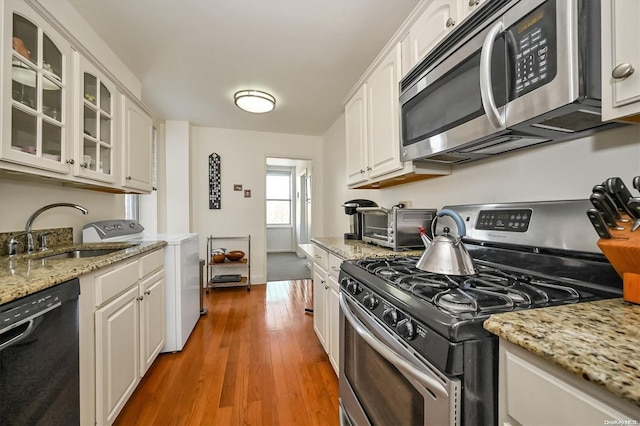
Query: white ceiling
{"type": "Point", "coordinates": [193, 55]}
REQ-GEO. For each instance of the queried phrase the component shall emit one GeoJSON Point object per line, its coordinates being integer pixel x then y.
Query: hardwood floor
{"type": "Point", "coordinates": [253, 359]}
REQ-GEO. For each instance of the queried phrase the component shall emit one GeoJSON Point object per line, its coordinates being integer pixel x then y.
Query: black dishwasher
{"type": "Point", "coordinates": [39, 358]}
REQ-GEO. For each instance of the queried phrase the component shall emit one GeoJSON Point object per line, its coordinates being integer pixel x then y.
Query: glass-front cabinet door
{"type": "Point", "coordinates": [36, 118]}
{"type": "Point", "coordinates": [96, 147]}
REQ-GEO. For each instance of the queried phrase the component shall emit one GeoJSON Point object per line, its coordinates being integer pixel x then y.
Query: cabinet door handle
{"type": "Point", "coordinates": [450, 22]}
{"type": "Point", "coordinates": [148, 292]}
{"type": "Point", "coordinates": [140, 298]}
{"type": "Point", "coordinates": [84, 165]}
{"type": "Point", "coordinates": [473, 3]}
{"type": "Point", "coordinates": [369, 169]}
{"type": "Point", "coordinates": [70, 161]}
{"type": "Point", "coordinates": [622, 71]}
{"type": "Point", "coordinates": [128, 177]}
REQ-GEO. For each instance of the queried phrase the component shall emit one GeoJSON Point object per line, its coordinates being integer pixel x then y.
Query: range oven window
{"type": "Point", "coordinates": [387, 396]}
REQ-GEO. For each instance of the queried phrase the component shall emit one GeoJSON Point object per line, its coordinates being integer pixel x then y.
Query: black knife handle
{"type": "Point", "coordinates": [636, 182]}
{"type": "Point", "coordinates": [620, 194]}
{"type": "Point", "coordinates": [598, 224]}
{"type": "Point", "coordinates": [634, 204]}
{"type": "Point", "coordinates": [601, 206]}
{"type": "Point", "coordinates": [600, 189]}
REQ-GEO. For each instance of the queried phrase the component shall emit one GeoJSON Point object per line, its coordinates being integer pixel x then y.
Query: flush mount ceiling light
{"type": "Point", "coordinates": [254, 101]}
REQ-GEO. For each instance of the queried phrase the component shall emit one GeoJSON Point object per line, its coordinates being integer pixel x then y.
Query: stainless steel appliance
{"type": "Point", "coordinates": [413, 348]}
{"type": "Point", "coordinates": [515, 74]}
{"type": "Point", "coordinates": [39, 358]}
{"type": "Point", "coordinates": [396, 228]}
{"type": "Point", "coordinates": [355, 218]}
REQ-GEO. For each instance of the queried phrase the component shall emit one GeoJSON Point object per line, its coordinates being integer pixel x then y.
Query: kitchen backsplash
{"type": "Point", "coordinates": [55, 237]}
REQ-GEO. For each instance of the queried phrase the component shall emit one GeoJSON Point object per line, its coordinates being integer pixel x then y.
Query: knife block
{"type": "Point", "coordinates": [623, 252]}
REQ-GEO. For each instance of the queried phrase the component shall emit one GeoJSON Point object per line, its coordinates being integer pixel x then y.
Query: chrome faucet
{"type": "Point", "coordinates": [27, 229]}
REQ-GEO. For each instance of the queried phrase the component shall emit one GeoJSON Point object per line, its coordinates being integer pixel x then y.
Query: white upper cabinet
{"type": "Point", "coordinates": [36, 117]}
{"type": "Point", "coordinates": [469, 6]}
{"type": "Point", "coordinates": [383, 133]}
{"type": "Point", "coordinates": [96, 126]}
{"type": "Point", "coordinates": [621, 60]}
{"type": "Point", "coordinates": [355, 115]}
{"type": "Point", "coordinates": [62, 114]}
{"type": "Point", "coordinates": [137, 138]}
{"type": "Point", "coordinates": [371, 121]}
{"type": "Point", "coordinates": [435, 22]}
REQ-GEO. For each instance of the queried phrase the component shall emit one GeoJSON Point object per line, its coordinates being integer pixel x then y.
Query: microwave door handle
{"type": "Point", "coordinates": [486, 89]}
{"type": "Point", "coordinates": [390, 355]}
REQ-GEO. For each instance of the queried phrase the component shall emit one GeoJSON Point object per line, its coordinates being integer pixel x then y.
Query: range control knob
{"type": "Point", "coordinates": [370, 301]}
{"type": "Point", "coordinates": [353, 287]}
{"type": "Point", "coordinates": [406, 329]}
{"type": "Point", "coordinates": [390, 316]}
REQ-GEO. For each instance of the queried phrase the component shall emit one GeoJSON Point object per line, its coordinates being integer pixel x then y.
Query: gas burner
{"type": "Point", "coordinates": [372, 264]}
{"type": "Point", "coordinates": [473, 300]}
{"type": "Point", "coordinates": [424, 286]}
{"type": "Point", "coordinates": [392, 272]}
{"type": "Point", "coordinates": [456, 302]}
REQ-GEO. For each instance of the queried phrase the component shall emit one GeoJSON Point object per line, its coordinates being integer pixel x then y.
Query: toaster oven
{"type": "Point", "coordinates": [395, 228]}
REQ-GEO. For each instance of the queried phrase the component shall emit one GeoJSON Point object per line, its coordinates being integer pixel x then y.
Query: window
{"type": "Point", "coordinates": [279, 197]}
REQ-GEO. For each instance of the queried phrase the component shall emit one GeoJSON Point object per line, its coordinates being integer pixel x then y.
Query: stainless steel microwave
{"type": "Point", "coordinates": [516, 73]}
{"type": "Point", "coordinates": [395, 228]}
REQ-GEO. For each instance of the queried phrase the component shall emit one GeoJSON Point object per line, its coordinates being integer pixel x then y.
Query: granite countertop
{"type": "Point", "coordinates": [355, 249]}
{"type": "Point", "coordinates": [21, 275]}
{"type": "Point", "coordinates": [598, 341]}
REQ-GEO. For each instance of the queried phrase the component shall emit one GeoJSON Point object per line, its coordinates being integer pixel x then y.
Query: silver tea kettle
{"type": "Point", "coordinates": [446, 254]}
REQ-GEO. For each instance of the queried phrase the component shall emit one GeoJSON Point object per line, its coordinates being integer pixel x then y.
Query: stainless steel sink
{"type": "Point", "coordinates": [77, 254]}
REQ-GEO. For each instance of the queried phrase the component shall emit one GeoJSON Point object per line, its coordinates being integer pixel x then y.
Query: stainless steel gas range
{"type": "Point", "coordinates": [413, 347]}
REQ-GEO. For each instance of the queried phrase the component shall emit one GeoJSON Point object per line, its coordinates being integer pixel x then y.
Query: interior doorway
{"type": "Point", "coordinates": [288, 216]}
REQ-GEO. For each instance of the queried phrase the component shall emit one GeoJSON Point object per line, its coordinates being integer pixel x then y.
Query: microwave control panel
{"type": "Point", "coordinates": [512, 220]}
{"type": "Point", "coordinates": [533, 42]}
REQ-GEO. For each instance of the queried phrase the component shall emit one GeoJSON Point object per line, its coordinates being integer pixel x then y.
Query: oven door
{"type": "Point", "coordinates": [384, 382]}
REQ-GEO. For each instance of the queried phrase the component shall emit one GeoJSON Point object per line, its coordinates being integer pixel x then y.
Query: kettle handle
{"type": "Point", "coordinates": [462, 229]}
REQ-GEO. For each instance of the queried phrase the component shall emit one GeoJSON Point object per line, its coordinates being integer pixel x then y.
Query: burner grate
{"type": "Point", "coordinates": [492, 290]}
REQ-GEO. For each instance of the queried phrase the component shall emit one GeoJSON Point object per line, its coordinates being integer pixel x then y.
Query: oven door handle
{"type": "Point", "coordinates": [421, 376]}
{"type": "Point", "coordinates": [486, 88]}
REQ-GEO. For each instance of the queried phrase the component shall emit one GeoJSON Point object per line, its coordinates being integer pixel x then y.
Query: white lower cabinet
{"type": "Point", "coordinates": [152, 319]}
{"type": "Point", "coordinates": [122, 330]}
{"type": "Point", "coordinates": [533, 391]}
{"type": "Point", "coordinates": [117, 349]}
{"type": "Point", "coordinates": [326, 308]}
{"type": "Point", "coordinates": [320, 286]}
{"type": "Point", "coordinates": [334, 323]}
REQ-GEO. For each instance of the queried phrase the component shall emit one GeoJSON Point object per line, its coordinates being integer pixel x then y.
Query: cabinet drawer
{"type": "Point", "coordinates": [320, 257]}
{"type": "Point", "coordinates": [151, 262]}
{"type": "Point", "coordinates": [116, 281]}
{"type": "Point", "coordinates": [334, 266]}
{"type": "Point", "coordinates": [529, 387]}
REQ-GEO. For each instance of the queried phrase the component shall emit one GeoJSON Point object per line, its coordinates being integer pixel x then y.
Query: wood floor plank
{"type": "Point", "coordinates": [253, 359]}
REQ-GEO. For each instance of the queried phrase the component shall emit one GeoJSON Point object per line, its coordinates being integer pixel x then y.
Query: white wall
{"type": "Point", "coordinates": [65, 14]}
{"type": "Point", "coordinates": [334, 182]}
{"type": "Point", "coordinates": [243, 161]}
{"type": "Point", "coordinates": [567, 170]}
{"type": "Point", "coordinates": [18, 199]}
{"type": "Point", "coordinates": [177, 172]}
